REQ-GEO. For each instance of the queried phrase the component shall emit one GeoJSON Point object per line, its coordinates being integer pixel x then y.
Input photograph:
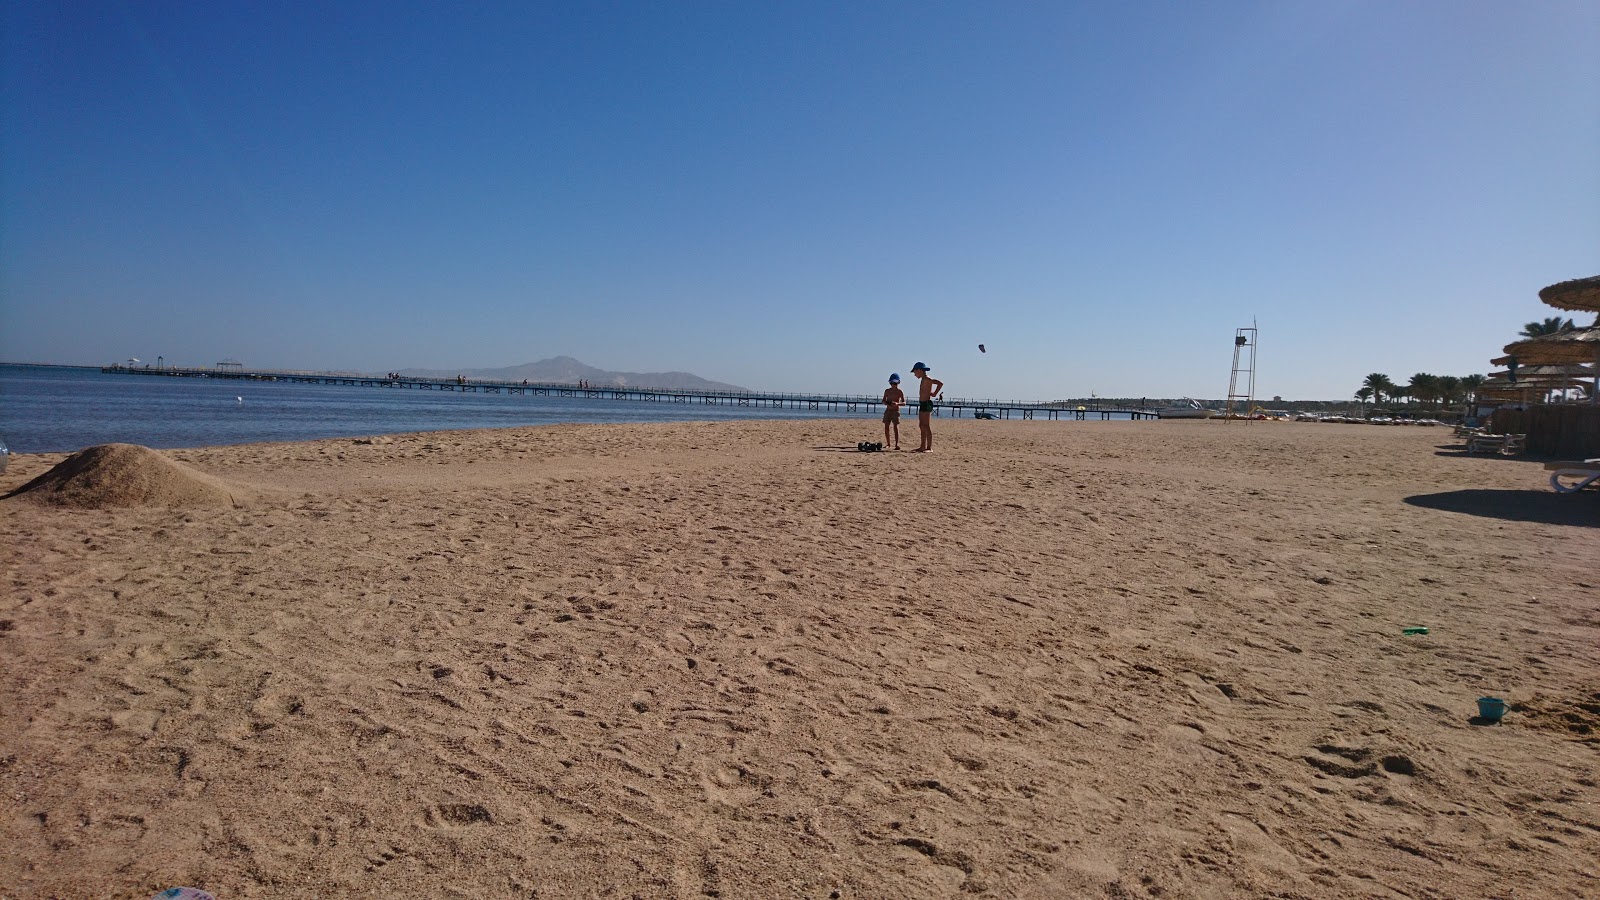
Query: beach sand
{"type": "Point", "coordinates": [729, 660]}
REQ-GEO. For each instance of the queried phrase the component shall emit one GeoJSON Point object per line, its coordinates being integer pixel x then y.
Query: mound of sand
{"type": "Point", "coordinates": [126, 475]}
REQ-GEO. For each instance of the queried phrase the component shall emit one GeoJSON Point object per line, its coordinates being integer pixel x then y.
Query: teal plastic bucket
{"type": "Point", "coordinates": [1491, 708]}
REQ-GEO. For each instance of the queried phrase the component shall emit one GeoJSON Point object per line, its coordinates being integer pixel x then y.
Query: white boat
{"type": "Point", "coordinates": [1189, 409]}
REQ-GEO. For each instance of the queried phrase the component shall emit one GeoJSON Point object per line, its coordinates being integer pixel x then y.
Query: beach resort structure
{"type": "Point", "coordinates": [1543, 372]}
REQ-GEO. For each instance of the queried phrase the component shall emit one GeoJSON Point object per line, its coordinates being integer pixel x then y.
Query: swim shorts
{"type": "Point", "coordinates": [925, 406]}
{"type": "Point", "coordinates": [891, 415]}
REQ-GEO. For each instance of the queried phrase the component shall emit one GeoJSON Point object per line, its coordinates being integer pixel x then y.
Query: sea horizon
{"type": "Point", "coordinates": [55, 408]}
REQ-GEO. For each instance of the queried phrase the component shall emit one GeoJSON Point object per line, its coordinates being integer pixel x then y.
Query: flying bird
{"type": "Point", "coordinates": [981, 350]}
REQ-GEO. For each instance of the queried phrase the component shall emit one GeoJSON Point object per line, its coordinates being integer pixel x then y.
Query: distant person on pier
{"type": "Point", "coordinates": [893, 399]}
{"type": "Point", "coordinates": [929, 390]}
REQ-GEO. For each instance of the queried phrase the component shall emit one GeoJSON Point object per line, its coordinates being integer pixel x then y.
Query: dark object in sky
{"type": "Point", "coordinates": [981, 350]}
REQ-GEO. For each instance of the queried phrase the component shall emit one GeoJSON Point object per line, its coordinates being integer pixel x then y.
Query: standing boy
{"type": "Point", "coordinates": [928, 391]}
{"type": "Point", "coordinates": [893, 399]}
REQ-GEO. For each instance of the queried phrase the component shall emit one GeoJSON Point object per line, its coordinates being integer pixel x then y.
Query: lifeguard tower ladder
{"type": "Point", "coordinates": [1244, 364]}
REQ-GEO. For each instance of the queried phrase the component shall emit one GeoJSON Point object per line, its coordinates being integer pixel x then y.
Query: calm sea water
{"type": "Point", "coordinates": [46, 409]}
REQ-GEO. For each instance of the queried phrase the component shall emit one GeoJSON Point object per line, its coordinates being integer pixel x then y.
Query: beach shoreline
{"type": "Point", "coordinates": [741, 659]}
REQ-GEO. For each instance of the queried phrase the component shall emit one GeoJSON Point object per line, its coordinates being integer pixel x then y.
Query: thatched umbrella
{"type": "Point", "coordinates": [1545, 374]}
{"type": "Point", "coordinates": [1581, 345]}
{"type": "Point", "coordinates": [1578, 346]}
{"type": "Point", "coordinates": [1531, 387]}
{"type": "Point", "coordinates": [1508, 358]}
{"type": "Point", "coordinates": [1531, 391]}
{"type": "Point", "coordinates": [1579, 295]}
{"type": "Point", "coordinates": [1504, 391]}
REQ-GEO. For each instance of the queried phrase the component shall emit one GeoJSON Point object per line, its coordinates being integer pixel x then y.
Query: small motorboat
{"type": "Point", "coordinates": [1189, 409]}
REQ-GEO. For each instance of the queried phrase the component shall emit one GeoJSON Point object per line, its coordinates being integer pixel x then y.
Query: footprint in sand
{"type": "Point", "coordinates": [943, 856]}
{"type": "Point", "coordinates": [1346, 761]}
{"type": "Point", "coordinates": [1248, 838]}
{"type": "Point", "coordinates": [457, 815]}
{"type": "Point", "coordinates": [734, 785]}
{"type": "Point", "coordinates": [271, 707]}
{"type": "Point", "coordinates": [1342, 761]}
{"type": "Point", "coordinates": [384, 856]}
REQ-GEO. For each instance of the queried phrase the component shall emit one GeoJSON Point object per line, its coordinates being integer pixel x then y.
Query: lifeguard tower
{"type": "Point", "coordinates": [1242, 383]}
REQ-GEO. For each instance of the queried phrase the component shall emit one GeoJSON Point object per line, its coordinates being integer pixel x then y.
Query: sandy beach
{"type": "Point", "coordinates": [745, 661]}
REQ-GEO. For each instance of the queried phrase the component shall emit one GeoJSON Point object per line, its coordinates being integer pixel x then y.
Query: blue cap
{"type": "Point", "coordinates": [894, 377]}
{"type": "Point", "coordinates": [921, 365]}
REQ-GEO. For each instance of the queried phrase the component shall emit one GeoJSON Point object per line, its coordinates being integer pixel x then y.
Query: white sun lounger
{"type": "Point", "coordinates": [1582, 474]}
{"type": "Point", "coordinates": [1504, 444]}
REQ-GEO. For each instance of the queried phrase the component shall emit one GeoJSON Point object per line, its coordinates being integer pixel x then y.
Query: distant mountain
{"type": "Point", "coordinates": [566, 370]}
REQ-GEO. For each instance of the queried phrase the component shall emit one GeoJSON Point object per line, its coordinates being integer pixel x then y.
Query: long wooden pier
{"type": "Point", "coordinates": [830, 403]}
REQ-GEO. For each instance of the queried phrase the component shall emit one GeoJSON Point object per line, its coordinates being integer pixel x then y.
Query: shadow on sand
{"type": "Point", "coordinates": [1545, 507]}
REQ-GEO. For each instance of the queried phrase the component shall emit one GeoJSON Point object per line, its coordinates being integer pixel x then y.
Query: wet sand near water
{"type": "Point", "coordinates": [743, 660]}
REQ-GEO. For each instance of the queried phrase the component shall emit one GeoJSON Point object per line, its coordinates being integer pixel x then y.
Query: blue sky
{"type": "Point", "coordinates": [800, 196]}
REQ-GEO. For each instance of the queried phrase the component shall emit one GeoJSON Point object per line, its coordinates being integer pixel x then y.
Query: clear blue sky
{"type": "Point", "coordinates": [800, 195]}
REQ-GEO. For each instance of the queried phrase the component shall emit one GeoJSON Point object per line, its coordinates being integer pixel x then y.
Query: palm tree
{"type": "Point", "coordinates": [1552, 325]}
{"type": "Point", "coordinates": [1449, 389]}
{"type": "Point", "coordinates": [1380, 384]}
{"type": "Point", "coordinates": [1470, 385]}
{"type": "Point", "coordinates": [1424, 387]}
{"type": "Point", "coordinates": [1364, 395]}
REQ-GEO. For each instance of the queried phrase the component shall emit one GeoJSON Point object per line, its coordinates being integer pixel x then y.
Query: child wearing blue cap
{"type": "Point", "coordinates": [928, 391]}
{"type": "Point", "coordinates": [893, 399]}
